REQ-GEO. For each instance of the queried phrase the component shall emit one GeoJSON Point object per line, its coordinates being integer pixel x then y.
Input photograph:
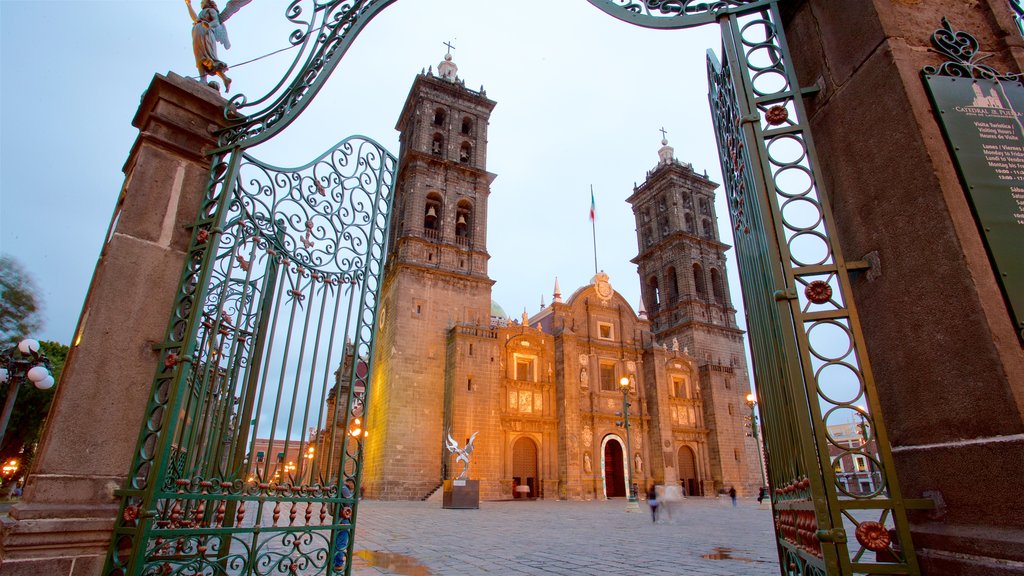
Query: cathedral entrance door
{"type": "Point", "coordinates": [524, 469]}
{"type": "Point", "coordinates": [688, 471]}
{"type": "Point", "coordinates": [614, 473]}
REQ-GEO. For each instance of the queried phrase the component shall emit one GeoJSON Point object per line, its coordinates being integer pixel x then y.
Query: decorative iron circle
{"type": "Point", "coordinates": [873, 536]}
{"type": "Point", "coordinates": [818, 292]}
{"type": "Point", "coordinates": [776, 115]}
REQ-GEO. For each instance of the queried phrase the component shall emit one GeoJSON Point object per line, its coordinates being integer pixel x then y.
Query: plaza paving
{"type": "Point", "coordinates": [703, 537]}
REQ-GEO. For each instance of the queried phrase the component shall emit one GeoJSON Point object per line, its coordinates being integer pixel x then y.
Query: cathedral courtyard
{"type": "Point", "coordinates": [704, 536]}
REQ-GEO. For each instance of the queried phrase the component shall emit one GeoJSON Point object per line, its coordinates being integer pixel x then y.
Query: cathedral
{"type": "Point", "coordinates": [546, 393]}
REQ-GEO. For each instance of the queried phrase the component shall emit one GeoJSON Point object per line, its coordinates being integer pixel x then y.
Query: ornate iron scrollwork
{"type": "Point", "coordinates": [964, 55]}
{"type": "Point", "coordinates": [673, 13]}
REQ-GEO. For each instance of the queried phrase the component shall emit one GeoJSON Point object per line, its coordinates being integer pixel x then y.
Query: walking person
{"type": "Point", "coordinates": [732, 494]}
{"type": "Point", "coordinates": [652, 501]}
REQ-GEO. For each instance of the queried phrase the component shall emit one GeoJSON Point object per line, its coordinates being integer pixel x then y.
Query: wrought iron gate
{"type": "Point", "coordinates": [817, 396]}
{"type": "Point", "coordinates": [248, 461]}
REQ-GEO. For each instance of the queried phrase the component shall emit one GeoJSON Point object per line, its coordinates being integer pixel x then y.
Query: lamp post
{"type": "Point", "coordinates": [19, 363]}
{"type": "Point", "coordinates": [752, 402]}
{"type": "Point", "coordinates": [627, 460]}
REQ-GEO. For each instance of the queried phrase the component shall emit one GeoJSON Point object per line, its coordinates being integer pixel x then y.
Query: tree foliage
{"type": "Point", "coordinates": [31, 408]}
{"type": "Point", "coordinates": [20, 312]}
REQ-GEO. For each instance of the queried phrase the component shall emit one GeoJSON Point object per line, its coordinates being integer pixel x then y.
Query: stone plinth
{"type": "Point", "coordinates": [461, 494]}
{"type": "Point", "coordinates": [64, 521]}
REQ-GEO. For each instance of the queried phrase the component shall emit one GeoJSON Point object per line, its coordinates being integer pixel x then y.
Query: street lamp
{"type": "Point", "coordinates": [19, 363]}
{"type": "Point", "coordinates": [752, 402]}
{"type": "Point", "coordinates": [630, 494]}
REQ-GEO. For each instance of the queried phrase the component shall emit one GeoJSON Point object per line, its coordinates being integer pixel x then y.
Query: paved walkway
{"type": "Point", "coordinates": [703, 537]}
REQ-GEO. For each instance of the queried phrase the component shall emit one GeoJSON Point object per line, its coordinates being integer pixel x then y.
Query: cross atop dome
{"type": "Point", "coordinates": [447, 69]}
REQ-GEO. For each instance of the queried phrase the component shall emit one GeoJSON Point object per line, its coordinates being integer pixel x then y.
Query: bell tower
{"type": "Point", "coordinates": [685, 291]}
{"type": "Point", "coordinates": [435, 277]}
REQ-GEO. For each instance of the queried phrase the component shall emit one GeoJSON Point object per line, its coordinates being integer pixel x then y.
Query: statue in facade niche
{"type": "Point", "coordinates": [462, 454]}
{"type": "Point", "coordinates": [208, 29]}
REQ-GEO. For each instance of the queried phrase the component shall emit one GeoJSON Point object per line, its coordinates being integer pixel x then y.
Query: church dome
{"type": "Point", "coordinates": [497, 311]}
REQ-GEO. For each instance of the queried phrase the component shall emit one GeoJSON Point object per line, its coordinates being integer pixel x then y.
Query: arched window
{"type": "Point", "coordinates": [467, 125]}
{"type": "Point", "coordinates": [705, 228]}
{"type": "Point", "coordinates": [671, 284]}
{"type": "Point", "coordinates": [437, 146]}
{"type": "Point", "coordinates": [698, 281]}
{"type": "Point", "coordinates": [716, 285]}
{"type": "Point", "coordinates": [653, 295]}
{"type": "Point", "coordinates": [465, 152]}
{"type": "Point", "coordinates": [432, 212]}
{"type": "Point", "coordinates": [689, 222]}
{"type": "Point", "coordinates": [463, 219]}
{"type": "Point", "coordinates": [439, 117]}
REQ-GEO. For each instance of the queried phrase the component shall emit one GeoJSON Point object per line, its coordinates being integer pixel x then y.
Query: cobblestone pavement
{"type": "Point", "coordinates": [703, 537]}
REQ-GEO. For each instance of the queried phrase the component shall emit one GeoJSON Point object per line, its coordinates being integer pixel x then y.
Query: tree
{"type": "Point", "coordinates": [20, 316]}
{"type": "Point", "coordinates": [20, 312]}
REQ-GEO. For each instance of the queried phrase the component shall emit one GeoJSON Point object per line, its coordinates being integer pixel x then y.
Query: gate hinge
{"type": "Point", "coordinates": [781, 295]}
{"type": "Point", "coordinates": [837, 535]}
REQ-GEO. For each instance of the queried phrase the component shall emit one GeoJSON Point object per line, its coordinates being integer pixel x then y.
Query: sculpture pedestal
{"type": "Point", "coordinates": [461, 494]}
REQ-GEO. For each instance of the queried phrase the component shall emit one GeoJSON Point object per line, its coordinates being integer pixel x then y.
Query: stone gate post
{"type": "Point", "coordinates": [948, 363]}
{"type": "Point", "coordinates": [63, 524]}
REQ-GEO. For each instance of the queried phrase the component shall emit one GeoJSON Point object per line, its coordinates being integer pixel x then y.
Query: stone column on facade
{"type": "Point", "coordinates": [567, 390]}
{"type": "Point", "coordinates": [948, 365]}
{"type": "Point", "coordinates": [63, 524]}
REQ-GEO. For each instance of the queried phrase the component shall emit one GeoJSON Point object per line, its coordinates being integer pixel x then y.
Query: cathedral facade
{"type": "Point", "coordinates": [546, 393]}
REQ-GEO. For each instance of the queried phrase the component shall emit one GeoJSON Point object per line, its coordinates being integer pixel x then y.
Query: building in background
{"type": "Point", "coordinates": [544, 391]}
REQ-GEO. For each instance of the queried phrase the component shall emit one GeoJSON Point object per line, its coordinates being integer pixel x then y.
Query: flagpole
{"type": "Point", "coordinates": [593, 226]}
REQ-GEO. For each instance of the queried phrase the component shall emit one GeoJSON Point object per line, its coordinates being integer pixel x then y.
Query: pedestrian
{"type": "Point", "coordinates": [732, 494]}
{"type": "Point", "coordinates": [760, 495]}
{"type": "Point", "coordinates": [652, 501]}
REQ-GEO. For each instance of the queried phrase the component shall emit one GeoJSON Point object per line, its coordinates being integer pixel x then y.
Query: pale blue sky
{"type": "Point", "coordinates": [580, 95]}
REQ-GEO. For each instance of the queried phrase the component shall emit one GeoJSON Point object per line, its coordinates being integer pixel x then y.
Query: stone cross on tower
{"type": "Point", "coordinates": [450, 47]}
{"type": "Point", "coordinates": [663, 132]}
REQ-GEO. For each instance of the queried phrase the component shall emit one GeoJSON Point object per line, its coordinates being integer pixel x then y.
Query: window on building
{"type": "Point", "coordinates": [716, 286]}
{"type": "Point", "coordinates": [463, 219]}
{"type": "Point", "coordinates": [439, 117]}
{"type": "Point", "coordinates": [705, 207]}
{"type": "Point", "coordinates": [860, 463]}
{"type": "Point", "coordinates": [672, 284]}
{"type": "Point", "coordinates": [705, 228]}
{"type": "Point", "coordinates": [437, 145]}
{"type": "Point", "coordinates": [525, 368]}
{"type": "Point", "coordinates": [605, 331]}
{"type": "Point", "coordinates": [653, 294]}
{"type": "Point", "coordinates": [698, 280]}
{"type": "Point", "coordinates": [730, 409]}
{"type": "Point", "coordinates": [736, 454]}
{"type": "Point", "coordinates": [688, 219]}
{"type": "Point", "coordinates": [679, 387]}
{"type": "Point", "coordinates": [467, 125]}
{"type": "Point", "coordinates": [608, 383]}
{"type": "Point", "coordinates": [432, 212]}
{"type": "Point", "coordinates": [465, 152]}
{"type": "Point", "coordinates": [838, 466]}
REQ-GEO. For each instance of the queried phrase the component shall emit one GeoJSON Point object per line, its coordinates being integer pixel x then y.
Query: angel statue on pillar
{"type": "Point", "coordinates": [208, 29]}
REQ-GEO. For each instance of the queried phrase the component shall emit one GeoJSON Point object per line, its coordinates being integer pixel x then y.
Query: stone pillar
{"type": "Point", "coordinates": [947, 361]}
{"type": "Point", "coordinates": [64, 522]}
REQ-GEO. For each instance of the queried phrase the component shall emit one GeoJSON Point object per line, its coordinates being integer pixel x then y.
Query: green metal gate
{"type": "Point", "coordinates": [835, 495]}
{"type": "Point", "coordinates": [248, 461]}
